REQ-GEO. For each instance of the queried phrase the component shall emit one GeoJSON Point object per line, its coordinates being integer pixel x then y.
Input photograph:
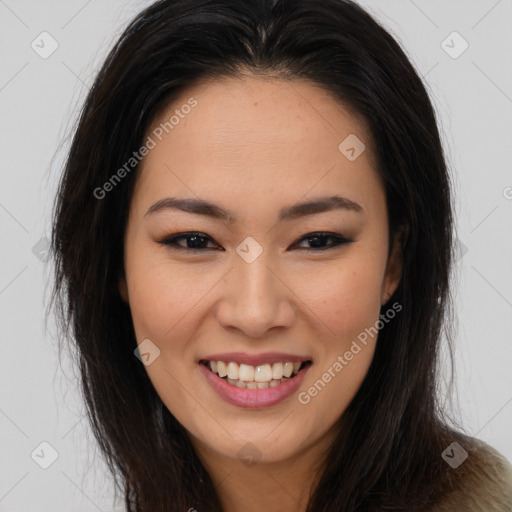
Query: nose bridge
{"type": "Point", "coordinates": [251, 269]}
{"type": "Point", "coordinates": [255, 300]}
{"type": "Point", "coordinates": [257, 280]}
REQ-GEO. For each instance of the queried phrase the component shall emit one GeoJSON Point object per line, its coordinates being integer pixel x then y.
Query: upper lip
{"type": "Point", "coordinates": [255, 359]}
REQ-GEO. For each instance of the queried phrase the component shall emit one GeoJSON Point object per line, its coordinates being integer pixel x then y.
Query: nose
{"type": "Point", "coordinates": [255, 298]}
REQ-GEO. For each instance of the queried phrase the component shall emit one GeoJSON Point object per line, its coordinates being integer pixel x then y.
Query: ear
{"type": "Point", "coordinates": [123, 288]}
{"type": "Point", "coordinates": [395, 263]}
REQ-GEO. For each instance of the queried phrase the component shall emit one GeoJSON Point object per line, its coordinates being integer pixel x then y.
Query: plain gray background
{"type": "Point", "coordinates": [472, 94]}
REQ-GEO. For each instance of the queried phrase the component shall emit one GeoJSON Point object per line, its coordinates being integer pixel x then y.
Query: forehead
{"type": "Point", "coordinates": [256, 137]}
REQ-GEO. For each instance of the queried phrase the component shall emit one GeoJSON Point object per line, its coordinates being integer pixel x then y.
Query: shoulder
{"type": "Point", "coordinates": [482, 483]}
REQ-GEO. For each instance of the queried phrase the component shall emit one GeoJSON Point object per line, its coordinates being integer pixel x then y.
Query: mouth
{"type": "Point", "coordinates": [262, 376]}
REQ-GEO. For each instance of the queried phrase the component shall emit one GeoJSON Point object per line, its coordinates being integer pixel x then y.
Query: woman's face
{"type": "Point", "coordinates": [259, 288]}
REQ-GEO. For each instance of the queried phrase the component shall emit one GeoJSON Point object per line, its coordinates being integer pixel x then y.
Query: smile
{"type": "Point", "coordinates": [245, 385]}
{"type": "Point", "coordinates": [255, 377]}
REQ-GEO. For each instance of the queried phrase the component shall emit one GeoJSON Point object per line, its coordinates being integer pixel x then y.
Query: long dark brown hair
{"type": "Point", "coordinates": [394, 430]}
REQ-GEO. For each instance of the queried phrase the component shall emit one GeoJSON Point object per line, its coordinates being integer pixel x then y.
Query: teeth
{"type": "Point", "coordinates": [233, 373]}
{"type": "Point", "coordinates": [222, 369]}
{"type": "Point", "coordinates": [255, 377]}
{"type": "Point", "coordinates": [255, 385]}
{"type": "Point", "coordinates": [246, 373]}
{"type": "Point", "coordinates": [287, 369]}
{"type": "Point", "coordinates": [277, 371]}
{"type": "Point", "coordinates": [263, 373]}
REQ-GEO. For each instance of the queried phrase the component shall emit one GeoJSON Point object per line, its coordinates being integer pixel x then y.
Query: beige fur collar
{"type": "Point", "coordinates": [482, 483]}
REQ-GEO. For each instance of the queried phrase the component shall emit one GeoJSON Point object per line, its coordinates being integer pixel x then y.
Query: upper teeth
{"type": "Point", "coordinates": [248, 373]}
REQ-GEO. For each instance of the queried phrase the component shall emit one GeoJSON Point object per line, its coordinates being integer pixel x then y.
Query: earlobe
{"type": "Point", "coordinates": [395, 263]}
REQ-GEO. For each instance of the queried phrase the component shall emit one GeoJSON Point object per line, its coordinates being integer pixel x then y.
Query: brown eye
{"type": "Point", "coordinates": [193, 241]}
{"type": "Point", "coordinates": [318, 241]}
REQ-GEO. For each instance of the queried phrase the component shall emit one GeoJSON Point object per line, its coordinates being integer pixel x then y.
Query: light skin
{"type": "Point", "coordinates": [255, 146]}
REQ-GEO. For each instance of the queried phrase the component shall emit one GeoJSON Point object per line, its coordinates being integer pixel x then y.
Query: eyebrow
{"type": "Point", "coordinates": [202, 207]}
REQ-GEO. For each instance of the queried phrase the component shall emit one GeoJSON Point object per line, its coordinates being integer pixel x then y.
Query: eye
{"type": "Point", "coordinates": [195, 241]}
{"type": "Point", "coordinates": [317, 241]}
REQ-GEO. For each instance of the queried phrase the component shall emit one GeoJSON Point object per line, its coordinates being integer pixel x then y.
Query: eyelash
{"type": "Point", "coordinates": [338, 240]}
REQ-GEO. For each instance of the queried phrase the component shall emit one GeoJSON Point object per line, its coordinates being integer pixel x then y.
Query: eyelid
{"type": "Point", "coordinates": [170, 241]}
{"type": "Point", "coordinates": [339, 240]}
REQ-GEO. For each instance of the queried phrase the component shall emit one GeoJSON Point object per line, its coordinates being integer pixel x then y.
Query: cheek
{"type": "Point", "coordinates": [348, 303]}
{"type": "Point", "coordinates": [161, 294]}
{"type": "Point", "coordinates": [345, 297]}
{"type": "Point", "coordinates": [162, 300]}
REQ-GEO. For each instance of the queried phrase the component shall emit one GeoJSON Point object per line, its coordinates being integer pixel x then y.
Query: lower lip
{"type": "Point", "coordinates": [253, 398]}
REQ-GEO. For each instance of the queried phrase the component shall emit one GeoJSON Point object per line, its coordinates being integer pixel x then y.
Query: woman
{"type": "Point", "coordinates": [253, 246]}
